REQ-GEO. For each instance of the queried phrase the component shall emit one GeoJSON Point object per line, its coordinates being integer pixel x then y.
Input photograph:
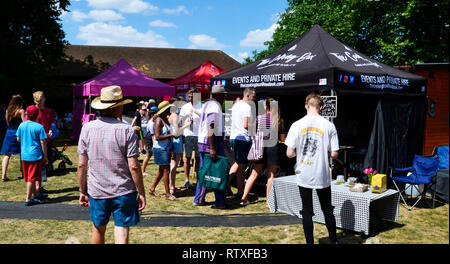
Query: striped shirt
{"type": "Point", "coordinates": [108, 143]}
{"type": "Point", "coordinates": [264, 124]}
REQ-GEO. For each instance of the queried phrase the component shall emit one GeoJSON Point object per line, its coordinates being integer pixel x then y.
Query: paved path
{"type": "Point", "coordinates": [58, 211]}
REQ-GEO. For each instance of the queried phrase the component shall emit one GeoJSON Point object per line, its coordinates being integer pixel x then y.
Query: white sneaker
{"type": "Point", "coordinates": [244, 203]}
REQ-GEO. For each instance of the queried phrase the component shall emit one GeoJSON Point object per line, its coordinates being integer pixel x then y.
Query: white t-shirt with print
{"type": "Point", "coordinates": [313, 137]}
{"type": "Point", "coordinates": [185, 111]}
{"type": "Point", "coordinates": [210, 107]}
{"type": "Point", "coordinates": [238, 112]}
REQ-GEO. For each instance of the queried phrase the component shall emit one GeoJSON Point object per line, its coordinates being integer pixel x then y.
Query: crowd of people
{"type": "Point", "coordinates": [29, 133]}
{"type": "Point", "coordinates": [110, 175]}
{"type": "Point", "coordinates": [172, 129]}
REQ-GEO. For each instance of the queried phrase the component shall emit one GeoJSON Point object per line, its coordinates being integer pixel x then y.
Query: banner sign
{"type": "Point", "coordinates": [329, 107]}
{"type": "Point", "coordinates": [318, 61]}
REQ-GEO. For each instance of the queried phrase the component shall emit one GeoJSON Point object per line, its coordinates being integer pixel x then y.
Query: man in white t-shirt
{"type": "Point", "coordinates": [312, 139]}
{"type": "Point", "coordinates": [211, 137]}
{"type": "Point", "coordinates": [191, 133]}
{"type": "Point", "coordinates": [241, 120]}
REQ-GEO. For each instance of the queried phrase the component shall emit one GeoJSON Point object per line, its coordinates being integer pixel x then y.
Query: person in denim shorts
{"type": "Point", "coordinates": [161, 149]}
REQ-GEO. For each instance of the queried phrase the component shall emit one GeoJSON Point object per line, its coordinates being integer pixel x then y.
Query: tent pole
{"type": "Point", "coordinates": [90, 109]}
{"type": "Point", "coordinates": [330, 159]}
{"type": "Point", "coordinates": [332, 93]}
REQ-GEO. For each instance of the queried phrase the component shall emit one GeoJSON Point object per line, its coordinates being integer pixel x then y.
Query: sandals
{"type": "Point", "coordinates": [171, 197]}
{"type": "Point", "coordinates": [154, 193]}
{"type": "Point", "coordinates": [5, 179]}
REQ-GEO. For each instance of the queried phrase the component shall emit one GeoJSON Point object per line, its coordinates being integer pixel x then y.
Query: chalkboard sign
{"type": "Point", "coordinates": [329, 107]}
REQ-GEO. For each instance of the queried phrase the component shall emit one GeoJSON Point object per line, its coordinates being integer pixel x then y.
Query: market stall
{"type": "Point", "coordinates": [198, 78]}
{"type": "Point", "coordinates": [380, 109]}
{"type": "Point", "coordinates": [133, 82]}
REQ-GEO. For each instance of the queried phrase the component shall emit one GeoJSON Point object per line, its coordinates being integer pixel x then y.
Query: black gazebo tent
{"type": "Point", "coordinates": [381, 106]}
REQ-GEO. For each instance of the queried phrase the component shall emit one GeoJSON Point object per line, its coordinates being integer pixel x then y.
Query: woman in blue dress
{"type": "Point", "coordinates": [15, 114]}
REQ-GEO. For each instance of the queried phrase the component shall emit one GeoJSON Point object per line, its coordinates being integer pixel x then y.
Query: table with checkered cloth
{"type": "Point", "coordinates": [353, 210]}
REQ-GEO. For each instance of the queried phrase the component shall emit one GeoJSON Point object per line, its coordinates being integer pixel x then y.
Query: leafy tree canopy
{"type": "Point", "coordinates": [393, 32]}
{"type": "Point", "coordinates": [31, 44]}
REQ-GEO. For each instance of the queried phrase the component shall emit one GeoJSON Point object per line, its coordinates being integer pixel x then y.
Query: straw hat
{"type": "Point", "coordinates": [163, 106]}
{"type": "Point", "coordinates": [110, 97]}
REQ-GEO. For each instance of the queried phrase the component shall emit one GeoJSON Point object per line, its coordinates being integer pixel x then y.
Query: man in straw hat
{"type": "Point", "coordinates": [115, 182]}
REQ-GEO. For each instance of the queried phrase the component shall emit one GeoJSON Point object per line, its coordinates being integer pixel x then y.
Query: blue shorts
{"type": "Point", "coordinates": [177, 145]}
{"type": "Point", "coordinates": [240, 150]}
{"type": "Point", "coordinates": [124, 209]}
{"type": "Point", "coordinates": [161, 156]}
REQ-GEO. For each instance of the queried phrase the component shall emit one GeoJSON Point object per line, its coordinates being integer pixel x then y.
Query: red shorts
{"type": "Point", "coordinates": [32, 170]}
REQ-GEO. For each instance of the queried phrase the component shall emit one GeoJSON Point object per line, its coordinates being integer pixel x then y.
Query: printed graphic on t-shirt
{"type": "Point", "coordinates": [312, 144]}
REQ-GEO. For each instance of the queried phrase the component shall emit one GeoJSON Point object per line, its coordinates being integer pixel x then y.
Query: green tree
{"type": "Point", "coordinates": [31, 44]}
{"type": "Point", "coordinates": [393, 32]}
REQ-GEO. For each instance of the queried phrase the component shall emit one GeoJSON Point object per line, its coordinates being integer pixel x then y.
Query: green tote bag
{"type": "Point", "coordinates": [212, 174]}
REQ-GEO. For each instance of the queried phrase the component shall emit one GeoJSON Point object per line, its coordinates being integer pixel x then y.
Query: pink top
{"type": "Point", "coordinates": [107, 142]}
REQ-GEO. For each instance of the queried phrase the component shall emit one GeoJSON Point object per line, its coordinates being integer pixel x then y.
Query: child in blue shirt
{"type": "Point", "coordinates": [33, 144]}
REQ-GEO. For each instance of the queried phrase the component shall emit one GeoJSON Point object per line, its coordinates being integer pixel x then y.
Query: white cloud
{"type": "Point", "coordinates": [256, 38]}
{"type": "Point", "coordinates": [176, 11]}
{"type": "Point", "coordinates": [205, 41]}
{"type": "Point", "coordinates": [242, 55]}
{"type": "Point", "coordinates": [98, 15]}
{"type": "Point", "coordinates": [105, 15]}
{"type": "Point", "coordinates": [126, 6]}
{"type": "Point", "coordinates": [160, 23]}
{"type": "Point", "coordinates": [99, 33]}
{"type": "Point", "coordinates": [79, 16]}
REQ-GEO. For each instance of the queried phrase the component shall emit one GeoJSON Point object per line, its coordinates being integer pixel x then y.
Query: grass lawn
{"type": "Point", "coordinates": [419, 226]}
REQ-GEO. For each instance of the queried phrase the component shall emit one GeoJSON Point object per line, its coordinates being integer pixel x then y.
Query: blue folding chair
{"type": "Point", "coordinates": [442, 153]}
{"type": "Point", "coordinates": [422, 172]}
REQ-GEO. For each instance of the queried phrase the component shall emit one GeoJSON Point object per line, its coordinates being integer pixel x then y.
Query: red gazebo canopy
{"type": "Point", "coordinates": [198, 78]}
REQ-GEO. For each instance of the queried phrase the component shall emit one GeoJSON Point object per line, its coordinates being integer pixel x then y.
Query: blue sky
{"type": "Point", "coordinates": [235, 27]}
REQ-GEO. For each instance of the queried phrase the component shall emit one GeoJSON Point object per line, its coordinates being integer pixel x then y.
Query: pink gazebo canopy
{"type": "Point", "coordinates": [132, 81]}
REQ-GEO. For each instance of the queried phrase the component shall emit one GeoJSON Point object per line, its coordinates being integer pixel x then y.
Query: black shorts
{"type": "Point", "coordinates": [271, 156]}
{"type": "Point", "coordinates": [240, 150]}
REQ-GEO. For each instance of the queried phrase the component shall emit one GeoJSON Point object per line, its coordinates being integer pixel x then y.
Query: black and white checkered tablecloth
{"type": "Point", "coordinates": [353, 210]}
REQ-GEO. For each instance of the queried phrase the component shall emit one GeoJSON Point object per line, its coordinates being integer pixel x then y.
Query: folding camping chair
{"type": "Point", "coordinates": [442, 152]}
{"type": "Point", "coordinates": [422, 172]}
{"type": "Point", "coordinates": [442, 187]}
